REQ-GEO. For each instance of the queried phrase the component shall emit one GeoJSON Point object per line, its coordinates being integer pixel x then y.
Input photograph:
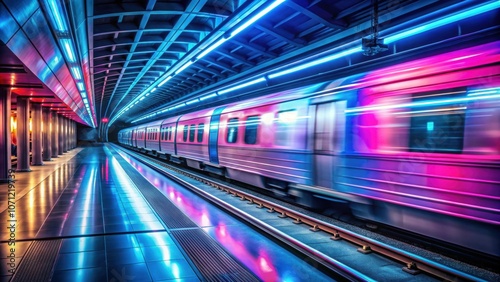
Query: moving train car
{"type": "Point", "coordinates": [415, 145]}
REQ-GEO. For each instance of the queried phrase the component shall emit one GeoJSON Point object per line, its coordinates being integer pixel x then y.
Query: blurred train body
{"type": "Point", "coordinates": [415, 145]}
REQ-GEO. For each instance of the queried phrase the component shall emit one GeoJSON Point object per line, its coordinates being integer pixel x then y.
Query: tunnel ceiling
{"type": "Point", "coordinates": [134, 43]}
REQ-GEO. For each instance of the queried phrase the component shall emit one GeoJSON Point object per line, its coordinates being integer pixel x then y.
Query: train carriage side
{"type": "Point", "coordinates": [262, 141]}
{"type": "Point", "coordinates": [140, 141]}
{"type": "Point", "coordinates": [152, 136]}
{"type": "Point", "coordinates": [167, 137]}
{"type": "Point", "coordinates": [419, 150]}
{"type": "Point", "coordinates": [193, 137]}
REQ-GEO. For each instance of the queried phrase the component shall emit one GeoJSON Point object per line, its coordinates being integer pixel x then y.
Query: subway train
{"type": "Point", "coordinates": [414, 145]}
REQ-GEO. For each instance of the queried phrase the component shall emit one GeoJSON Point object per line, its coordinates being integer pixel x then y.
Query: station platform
{"type": "Point", "coordinates": [91, 216]}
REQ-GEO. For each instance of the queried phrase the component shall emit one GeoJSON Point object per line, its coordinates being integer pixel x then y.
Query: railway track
{"type": "Point", "coordinates": [361, 247]}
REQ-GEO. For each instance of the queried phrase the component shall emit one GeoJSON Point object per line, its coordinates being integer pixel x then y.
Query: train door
{"type": "Point", "coordinates": [328, 138]}
{"type": "Point", "coordinates": [134, 139]}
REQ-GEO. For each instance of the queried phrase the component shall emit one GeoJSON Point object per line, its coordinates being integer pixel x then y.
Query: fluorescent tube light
{"type": "Point", "coordinates": [80, 86]}
{"type": "Point", "coordinates": [192, 102]}
{"type": "Point", "coordinates": [257, 17]}
{"type": "Point", "coordinates": [76, 73]}
{"type": "Point", "coordinates": [165, 80]}
{"type": "Point", "coordinates": [443, 21]}
{"type": "Point", "coordinates": [208, 96]}
{"type": "Point", "coordinates": [56, 14]}
{"type": "Point", "coordinates": [241, 85]}
{"type": "Point", "coordinates": [317, 62]}
{"type": "Point", "coordinates": [183, 67]}
{"type": "Point", "coordinates": [211, 47]}
{"type": "Point", "coordinates": [68, 50]}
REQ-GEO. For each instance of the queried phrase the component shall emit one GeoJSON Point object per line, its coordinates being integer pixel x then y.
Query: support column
{"type": "Point", "coordinates": [54, 132]}
{"type": "Point", "coordinates": [60, 134]}
{"type": "Point", "coordinates": [5, 135]}
{"type": "Point", "coordinates": [23, 132]}
{"type": "Point", "coordinates": [36, 135]}
{"type": "Point", "coordinates": [65, 134]}
{"type": "Point", "coordinates": [68, 130]}
{"type": "Point", "coordinates": [73, 137]}
{"type": "Point", "coordinates": [46, 135]}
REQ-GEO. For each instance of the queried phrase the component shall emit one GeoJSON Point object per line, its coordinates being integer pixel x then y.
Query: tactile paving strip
{"type": "Point", "coordinates": [209, 257]}
{"type": "Point", "coordinates": [38, 261]}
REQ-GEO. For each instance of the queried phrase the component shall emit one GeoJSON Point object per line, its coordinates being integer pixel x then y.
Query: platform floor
{"type": "Point", "coordinates": [98, 228]}
{"type": "Point", "coordinates": [91, 215]}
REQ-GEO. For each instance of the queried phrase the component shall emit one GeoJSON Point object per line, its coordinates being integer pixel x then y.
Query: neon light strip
{"type": "Point", "coordinates": [257, 17]}
{"type": "Point", "coordinates": [183, 67]}
{"type": "Point", "coordinates": [60, 23]}
{"type": "Point", "coordinates": [443, 21]}
{"type": "Point", "coordinates": [211, 48]}
{"type": "Point", "coordinates": [208, 96]}
{"type": "Point", "coordinates": [76, 73]}
{"type": "Point", "coordinates": [422, 104]}
{"type": "Point", "coordinates": [165, 80]}
{"type": "Point", "coordinates": [69, 50]}
{"type": "Point", "coordinates": [316, 62]}
{"type": "Point", "coordinates": [241, 85]}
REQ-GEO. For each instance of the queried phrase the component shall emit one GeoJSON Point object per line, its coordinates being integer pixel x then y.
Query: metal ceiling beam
{"type": "Point", "coordinates": [316, 13]}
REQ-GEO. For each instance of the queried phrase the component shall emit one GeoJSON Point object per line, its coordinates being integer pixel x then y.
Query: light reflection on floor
{"type": "Point", "coordinates": [268, 261]}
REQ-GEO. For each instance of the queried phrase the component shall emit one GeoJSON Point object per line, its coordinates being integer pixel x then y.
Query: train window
{"type": "Point", "coordinates": [284, 125]}
{"type": "Point", "coordinates": [437, 129]}
{"type": "Point", "coordinates": [185, 134]}
{"type": "Point", "coordinates": [171, 128]}
{"type": "Point", "coordinates": [251, 127]}
{"type": "Point", "coordinates": [201, 127]}
{"type": "Point", "coordinates": [192, 132]}
{"type": "Point", "coordinates": [232, 130]}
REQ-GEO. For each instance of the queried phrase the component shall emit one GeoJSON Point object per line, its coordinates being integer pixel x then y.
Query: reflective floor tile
{"type": "Point", "coordinates": [166, 252]}
{"type": "Point", "coordinates": [170, 269]}
{"type": "Point", "coordinates": [148, 226]}
{"type": "Point", "coordinates": [129, 272]}
{"type": "Point", "coordinates": [125, 241]}
{"type": "Point", "coordinates": [80, 260]}
{"type": "Point", "coordinates": [118, 227]}
{"type": "Point", "coordinates": [83, 244]}
{"type": "Point", "coordinates": [154, 239]}
{"type": "Point", "coordinates": [124, 256]}
{"type": "Point", "coordinates": [80, 275]}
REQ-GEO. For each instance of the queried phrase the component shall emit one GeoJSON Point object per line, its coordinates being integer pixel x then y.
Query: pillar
{"type": "Point", "coordinates": [55, 134]}
{"type": "Point", "coordinates": [61, 135]}
{"type": "Point", "coordinates": [23, 132]}
{"type": "Point", "coordinates": [65, 134]}
{"type": "Point", "coordinates": [46, 135]}
{"type": "Point", "coordinates": [36, 134]}
{"type": "Point", "coordinates": [5, 138]}
{"type": "Point", "coordinates": [68, 139]}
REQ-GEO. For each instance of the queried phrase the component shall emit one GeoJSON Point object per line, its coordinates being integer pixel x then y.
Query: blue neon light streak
{"type": "Point", "coordinates": [80, 86]}
{"type": "Point", "coordinates": [443, 21]}
{"type": "Point", "coordinates": [165, 80]}
{"type": "Point", "coordinates": [257, 17]}
{"type": "Point", "coordinates": [76, 72]}
{"type": "Point", "coordinates": [241, 85]}
{"type": "Point", "coordinates": [317, 62]}
{"type": "Point", "coordinates": [208, 96]}
{"type": "Point", "coordinates": [192, 102]}
{"type": "Point", "coordinates": [183, 67]}
{"type": "Point", "coordinates": [212, 47]}
{"type": "Point", "coordinates": [423, 103]}
{"type": "Point", "coordinates": [60, 23]}
{"type": "Point", "coordinates": [68, 48]}
{"type": "Point", "coordinates": [84, 95]}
